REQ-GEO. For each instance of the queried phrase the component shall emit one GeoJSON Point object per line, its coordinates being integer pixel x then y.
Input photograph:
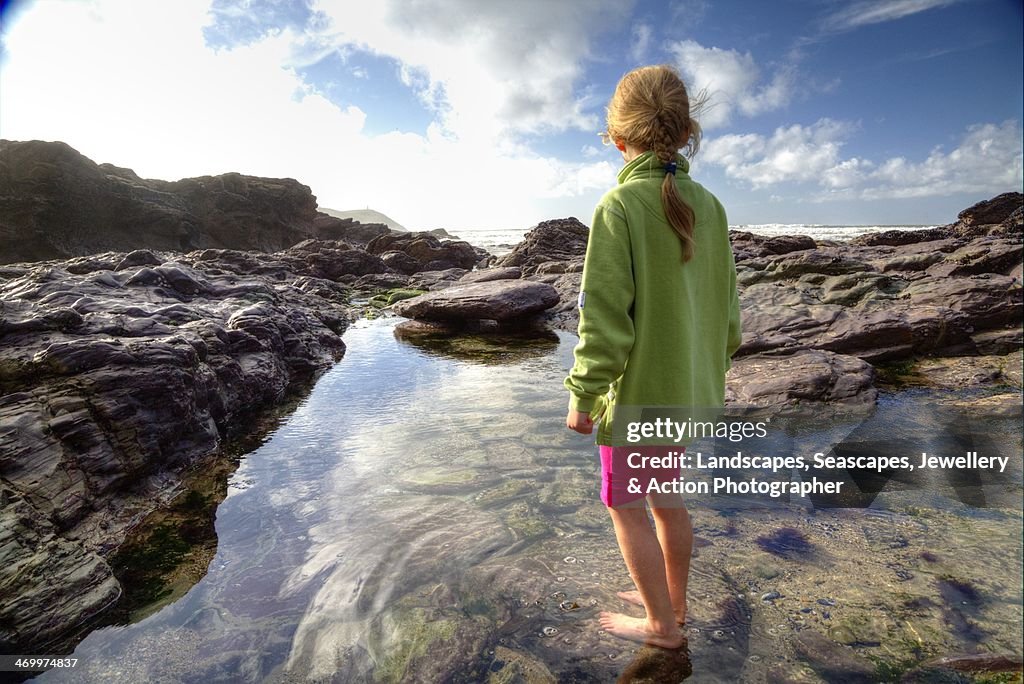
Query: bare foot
{"type": "Point", "coordinates": [634, 598]}
{"type": "Point", "coordinates": [638, 629]}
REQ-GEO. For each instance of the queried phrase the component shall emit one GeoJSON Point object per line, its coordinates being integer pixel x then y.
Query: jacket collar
{"type": "Point", "coordinates": [646, 165]}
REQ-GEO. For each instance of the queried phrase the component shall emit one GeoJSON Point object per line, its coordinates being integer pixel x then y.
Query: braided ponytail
{"type": "Point", "coordinates": [651, 110]}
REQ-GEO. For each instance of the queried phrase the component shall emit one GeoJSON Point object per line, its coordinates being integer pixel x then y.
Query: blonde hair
{"type": "Point", "coordinates": [650, 110]}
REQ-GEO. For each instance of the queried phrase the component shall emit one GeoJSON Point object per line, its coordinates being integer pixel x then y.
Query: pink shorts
{"type": "Point", "coordinates": [617, 474]}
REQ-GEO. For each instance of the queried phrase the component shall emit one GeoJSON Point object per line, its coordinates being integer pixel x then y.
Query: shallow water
{"type": "Point", "coordinates": [424, 516]}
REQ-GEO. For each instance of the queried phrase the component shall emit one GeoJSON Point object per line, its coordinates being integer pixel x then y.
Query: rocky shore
{"type": "Point", "coordinates": [142, 323]}
{"type": "Point", "coordinates": [820, 316]}
{"type": "Point", "coordinates": [122, 370]}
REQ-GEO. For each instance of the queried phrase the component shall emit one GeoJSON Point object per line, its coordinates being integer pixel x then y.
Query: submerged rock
{"type": "Point", "coordinates": [834, 662]}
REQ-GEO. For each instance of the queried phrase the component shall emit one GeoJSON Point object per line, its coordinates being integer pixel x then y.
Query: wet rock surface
{"type": "Point", "coordinates": [499, 300]}
{"type": "Point", "coordinates": [814, 376]}
{"type": "Point", "coordinates": [818, 314]}
{"type": "Point", "coordinates": [120, 371]}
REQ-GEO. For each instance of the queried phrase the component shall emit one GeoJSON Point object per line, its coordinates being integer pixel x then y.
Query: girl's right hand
{"type": "Point", "coordinates": [580, 422]}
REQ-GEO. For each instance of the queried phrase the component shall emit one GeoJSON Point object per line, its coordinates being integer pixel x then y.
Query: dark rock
{"type": "Point", "coordinates": [813, 376]}
{"type": "Point", "coordinates": [139, 257]}
{"type": "Point", "coordinates": [66, 579]}
{"type": "Point", "coordinates": [326, 227]}
{"type": "Point", "coordinates": [436, 280]}
{"type": "Point", "coordinates": [56, 203]}
{"type": "Point", "coordinates": [995, 210]}
{"type": "Point", "coordinates": [748, 245]}
{"type": "Point", "coordinates": [380, 281]}
{"type": "Point", "coordinates": [116, 382]}
{"type": "Point", "coordinates": [899, 237]}
{"type": "Point", "coordinates": [431, 253]}
{"type": "Point", "coordinates": [331, 259]}
{"type": "Point", "coordinates": [483, 275]}
{"type": "Point", "coordinates": [984, 255]}
{"type": "Point", "coordinates": [400, 261]}
{"type": "Point", "coordinates": [1012, 224]}
{"type": "Point", "coordinates": [556, 240]}
{"type": "Point", "coordinates": [499, 300]}
{"type": "Point", "coordinates": [833, 662]}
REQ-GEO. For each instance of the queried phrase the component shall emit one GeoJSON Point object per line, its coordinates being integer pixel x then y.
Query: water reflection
{"type": "Point", "coordinates": [422, 518]}
{"type": "Point", "coordinates": [488, 346]}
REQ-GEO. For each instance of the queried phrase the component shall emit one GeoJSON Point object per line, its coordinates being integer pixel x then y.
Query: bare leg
{"type": "Point", "coordinates": [646, 563]}
{"type": "Point", "coordinates": [675, 537]}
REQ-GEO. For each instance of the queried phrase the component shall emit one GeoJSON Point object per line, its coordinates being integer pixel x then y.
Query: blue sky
{"type": "Point", "coordinates": [464, 114]}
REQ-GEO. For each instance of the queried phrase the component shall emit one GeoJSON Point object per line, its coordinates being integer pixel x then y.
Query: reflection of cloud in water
{"type": "Point", "coordinates": [364, 562]}
{"type": "Point", "coordinates": [378, 538]}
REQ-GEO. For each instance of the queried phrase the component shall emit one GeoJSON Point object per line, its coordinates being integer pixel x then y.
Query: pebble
{"type": "Point", "coordinates": [771, 596]}
{"type": "Point", "coordinates": [827, 601]}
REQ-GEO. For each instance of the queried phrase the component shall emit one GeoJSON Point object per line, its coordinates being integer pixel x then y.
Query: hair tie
{"type": "Point", "coordinates": [670, 168]}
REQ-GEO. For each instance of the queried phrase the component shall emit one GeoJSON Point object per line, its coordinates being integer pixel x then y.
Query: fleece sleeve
{"type": "Point", "coordinates": [605, 308]}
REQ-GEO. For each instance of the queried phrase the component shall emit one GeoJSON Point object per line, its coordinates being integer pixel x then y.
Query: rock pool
{"type": "Point", "coordinates": [424, 516]}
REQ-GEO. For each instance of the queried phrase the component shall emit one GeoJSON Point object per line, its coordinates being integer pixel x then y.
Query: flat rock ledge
{"type": "Point", "coordinates": [499, 300]}
{"type": "Point", "coordinates": [810, 376]}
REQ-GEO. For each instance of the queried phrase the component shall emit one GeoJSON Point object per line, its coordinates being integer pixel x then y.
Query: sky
{"type": "Point", "coordinates": [462, 114]}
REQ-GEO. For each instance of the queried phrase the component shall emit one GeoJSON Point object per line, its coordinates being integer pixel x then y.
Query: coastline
{"type": "Point", "coordinates": [120, 370]}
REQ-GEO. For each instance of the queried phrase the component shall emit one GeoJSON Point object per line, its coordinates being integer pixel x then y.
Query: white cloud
{"type": "Point", "coordinates": [877, 11]}
{"type": "Point", "coordinates": [687, 12]}
{"type": "Point", "coordinates": [640, 42]}
{"type": "Point", "coordinates": [731, 79]}
{"type": "Point", "coordinates": [133, 83]}
{"type": "Point", "coordinates": [792, 153]}
{"type": "Point", "coordinates": [490, 69]}
{"type": "Point", "coordinates": [987, 159]}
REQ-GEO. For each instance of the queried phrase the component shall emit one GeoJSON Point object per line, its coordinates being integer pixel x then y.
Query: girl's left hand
{"type": "Point", "coordinates": [580, 422]}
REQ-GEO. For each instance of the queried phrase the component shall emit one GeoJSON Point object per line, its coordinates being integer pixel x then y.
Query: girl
{"type": "Point", "coordinates": [659, 321]}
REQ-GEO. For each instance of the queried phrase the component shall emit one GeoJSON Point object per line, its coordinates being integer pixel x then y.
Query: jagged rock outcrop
{"type": "Point", "coordinates": [55, 203]}
{"type": "Point", "coordinates": [326, 227]}
{"type": "Point", "coordinates": [952, 290]}
{"type": "Point", "coordinates": [879, 297]}
{"type": "Point", "coordinates": [558, 240]}
{"type": "Point", "coordinates": [118, 371]}
{"type": "Point", "coordinates": [429, 252]}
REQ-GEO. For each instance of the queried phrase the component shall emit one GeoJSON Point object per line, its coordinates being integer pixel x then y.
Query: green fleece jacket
{"type": "Point", "coordinates": [654, 331]}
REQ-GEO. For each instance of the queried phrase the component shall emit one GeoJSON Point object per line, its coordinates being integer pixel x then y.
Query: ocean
{"type": "Point", "coordinates": [500, 241]}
